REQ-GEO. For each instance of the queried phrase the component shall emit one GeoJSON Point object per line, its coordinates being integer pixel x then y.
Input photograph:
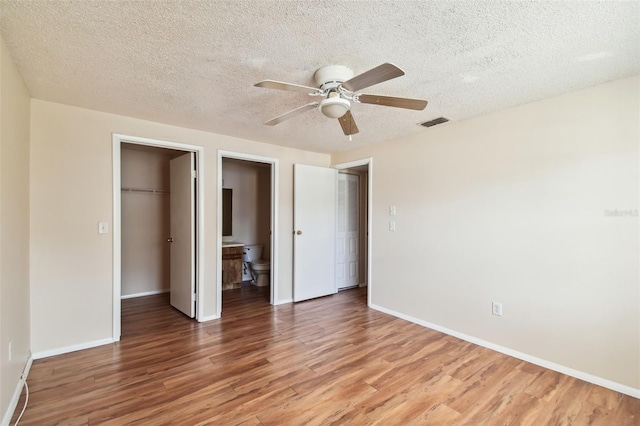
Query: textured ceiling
{"type": "Point", "coordinates": [194, 63]}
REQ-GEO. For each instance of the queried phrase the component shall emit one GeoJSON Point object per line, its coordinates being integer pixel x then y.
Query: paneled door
{"type": "Point", "coordinates": [314, 214]}
{"type": "Point", "coordinates": [347, 235]}
{"type": "Point", "coordinates": [182, 238]}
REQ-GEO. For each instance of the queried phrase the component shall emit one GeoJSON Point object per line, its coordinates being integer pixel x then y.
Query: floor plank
{"type": "Point", "coordinates": [325, 361]}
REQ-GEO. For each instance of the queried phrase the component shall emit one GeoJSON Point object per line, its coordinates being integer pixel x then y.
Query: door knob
{"type": "Point", "coordinates": [298, 232]}
{"type": "Point", "coordinates": [170, 239]}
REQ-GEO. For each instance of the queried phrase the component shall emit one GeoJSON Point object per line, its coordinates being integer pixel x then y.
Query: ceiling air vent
{"type": "Point", "coordinates": [434, 122]}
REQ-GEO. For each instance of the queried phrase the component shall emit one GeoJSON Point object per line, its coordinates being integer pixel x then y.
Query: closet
{"type": "Point", "coordinates": [145, 219]}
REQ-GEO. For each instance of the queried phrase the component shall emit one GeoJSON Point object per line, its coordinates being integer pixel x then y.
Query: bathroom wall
{"type": "Point", "coordinates": [145, 219]}
{"type": "Point", "coordinates": [251, 183]}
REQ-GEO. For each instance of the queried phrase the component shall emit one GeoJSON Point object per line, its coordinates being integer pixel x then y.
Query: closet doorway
{"type": "Point", "coordinates": [157, 223]}
{"type": "Point", "coordinates": [145, 219]}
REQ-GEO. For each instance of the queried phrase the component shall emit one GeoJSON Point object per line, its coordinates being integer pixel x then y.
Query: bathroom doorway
{"type": "Point", "coordinates": [250, 184]}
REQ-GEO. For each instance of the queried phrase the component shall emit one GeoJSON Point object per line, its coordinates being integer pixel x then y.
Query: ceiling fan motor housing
{"type": "Point", "coordinates": [332, 76]}
{"type": "Point", "coordinates": [328, 79]}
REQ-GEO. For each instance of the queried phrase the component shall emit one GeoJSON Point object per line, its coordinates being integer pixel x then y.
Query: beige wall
{"type": "Point", "coordinates": [71, 191]}
{"type": "Point", "coordinates": [145, 220]}
{"type": "Point", "coordinates": [511, 207]}
{"type": "Point", "coordinates": [250, 182]}
{"type": "Point", "coordinates": [14, 229]}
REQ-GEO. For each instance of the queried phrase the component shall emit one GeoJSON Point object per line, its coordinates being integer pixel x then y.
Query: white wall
{"type": "Point", "coordinates": [145, 220]}
{"type": "Point", "coordinates": [71, 191]}
{"type": "Point", "coordinates": [14, 231]}
{"type": "Point", "coordinates": [511, 207]}
{"type": "Point", "coordinates": [251, 183]}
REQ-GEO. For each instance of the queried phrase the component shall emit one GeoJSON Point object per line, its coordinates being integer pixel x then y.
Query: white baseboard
{"type": "Point", "coordinates": [73, 348]}
{"type": "Point", "coordinates": [282, 302]}
{"type": "Point", "coordinates": [618, 387]}
{"type": "Point", "coordinates": [146, 293]}
{"type": "Point", "coordinates": [6, 419]}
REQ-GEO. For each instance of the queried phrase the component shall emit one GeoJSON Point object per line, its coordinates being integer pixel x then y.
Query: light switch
{"type": "Point", "coordinates": [103, 228]}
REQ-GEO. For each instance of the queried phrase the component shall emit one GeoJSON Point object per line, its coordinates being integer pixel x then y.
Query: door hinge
{"type": "Point", "coordinates": [194, 174]}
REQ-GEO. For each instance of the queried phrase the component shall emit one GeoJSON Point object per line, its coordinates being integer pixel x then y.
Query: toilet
{"type": "Point", "coordinates": [258, 268]}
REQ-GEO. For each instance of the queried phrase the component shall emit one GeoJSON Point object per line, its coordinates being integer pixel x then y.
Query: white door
{"type": "Point", "coordinates": [182, 218]}
{"type": "Point", "coordinates": [314, 212]}
{"type": "Point", "coordinates": [347, 241]}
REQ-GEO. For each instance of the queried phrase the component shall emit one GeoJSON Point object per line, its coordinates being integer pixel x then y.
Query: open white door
{"type": "Point", "coordinates": [182, 239]}
{"type": "Point", "coordinates": [314, 212]}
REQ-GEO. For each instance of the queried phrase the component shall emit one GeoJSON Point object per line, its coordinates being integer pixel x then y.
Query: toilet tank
{"type": "Point", "coordinates": [252, 252]}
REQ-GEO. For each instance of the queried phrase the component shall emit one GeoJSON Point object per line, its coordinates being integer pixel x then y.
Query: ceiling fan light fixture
{"type": "Point", "coordinates": [334, 107]}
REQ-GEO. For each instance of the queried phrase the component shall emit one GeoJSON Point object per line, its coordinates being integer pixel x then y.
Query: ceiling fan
{"type": "Point", "coordinates": [337, 87]}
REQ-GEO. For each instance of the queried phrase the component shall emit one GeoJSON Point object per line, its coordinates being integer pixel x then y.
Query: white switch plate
{"type": "Point", "coordinates": [392, 210]}
{"type": "Point", "coordinates": [103, 228]}
{"type": "Point", "coordinates": [392, 225]}
{"type": "Point", "coordinates": [496, 308]}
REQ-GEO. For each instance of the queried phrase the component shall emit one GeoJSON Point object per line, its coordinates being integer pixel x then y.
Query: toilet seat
{"type": "Point", "coordinates": [260, 265]}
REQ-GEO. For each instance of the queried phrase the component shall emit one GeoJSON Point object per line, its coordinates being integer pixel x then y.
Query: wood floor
{"type": "Point", "coordinates": [326, 361]}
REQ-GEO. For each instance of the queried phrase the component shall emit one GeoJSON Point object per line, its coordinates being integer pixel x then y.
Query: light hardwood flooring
{"type": "Point", "coordinates": [321, 362]}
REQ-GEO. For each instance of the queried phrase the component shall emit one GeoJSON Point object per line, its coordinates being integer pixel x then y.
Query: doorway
{"type": "Point", "coordinates": [364, 170]}
{"type": "Point", "coordinates": [260, 227]}
{"type": "Point", "coordinates": [349, 253]}
{"type": "Point", "coordinates": [142, 144]}
{"type": "Point", "coordinates": [315, 213]}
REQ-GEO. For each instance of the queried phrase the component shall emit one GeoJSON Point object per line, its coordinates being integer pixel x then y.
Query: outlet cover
{"type": "Point", "coordinates": [496, 308]}
{"type": "Point", "coordinates": [103, 228]}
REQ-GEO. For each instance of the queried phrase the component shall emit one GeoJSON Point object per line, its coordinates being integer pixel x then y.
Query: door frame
{"type": "Point", "coordinates": [117, 141]}
{"type": "Point", "coordinates": [274, 196]}
{"type": "Point", "coordinates": [356, 163]}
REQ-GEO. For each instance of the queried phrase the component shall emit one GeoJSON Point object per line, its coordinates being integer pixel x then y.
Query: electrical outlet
{"type": "Point", "coordinates": [392, 225]}
{"type": "Point", "coordinates": [392, 210]}
{"type": "Point", "coordinates": [496, 308]}
{"type": "Point", "coordinates": [10, 350]}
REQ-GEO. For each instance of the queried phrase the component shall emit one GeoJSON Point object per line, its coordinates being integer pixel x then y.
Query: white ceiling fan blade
{"type": "Point", "coordinates": [417, 104]}
{"type": "Point", "coordinates": [376, 75]}
{"type": "Point", "coordinates": [291, 113]}
{"type": "Point", "coordinates": [279, 85]}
